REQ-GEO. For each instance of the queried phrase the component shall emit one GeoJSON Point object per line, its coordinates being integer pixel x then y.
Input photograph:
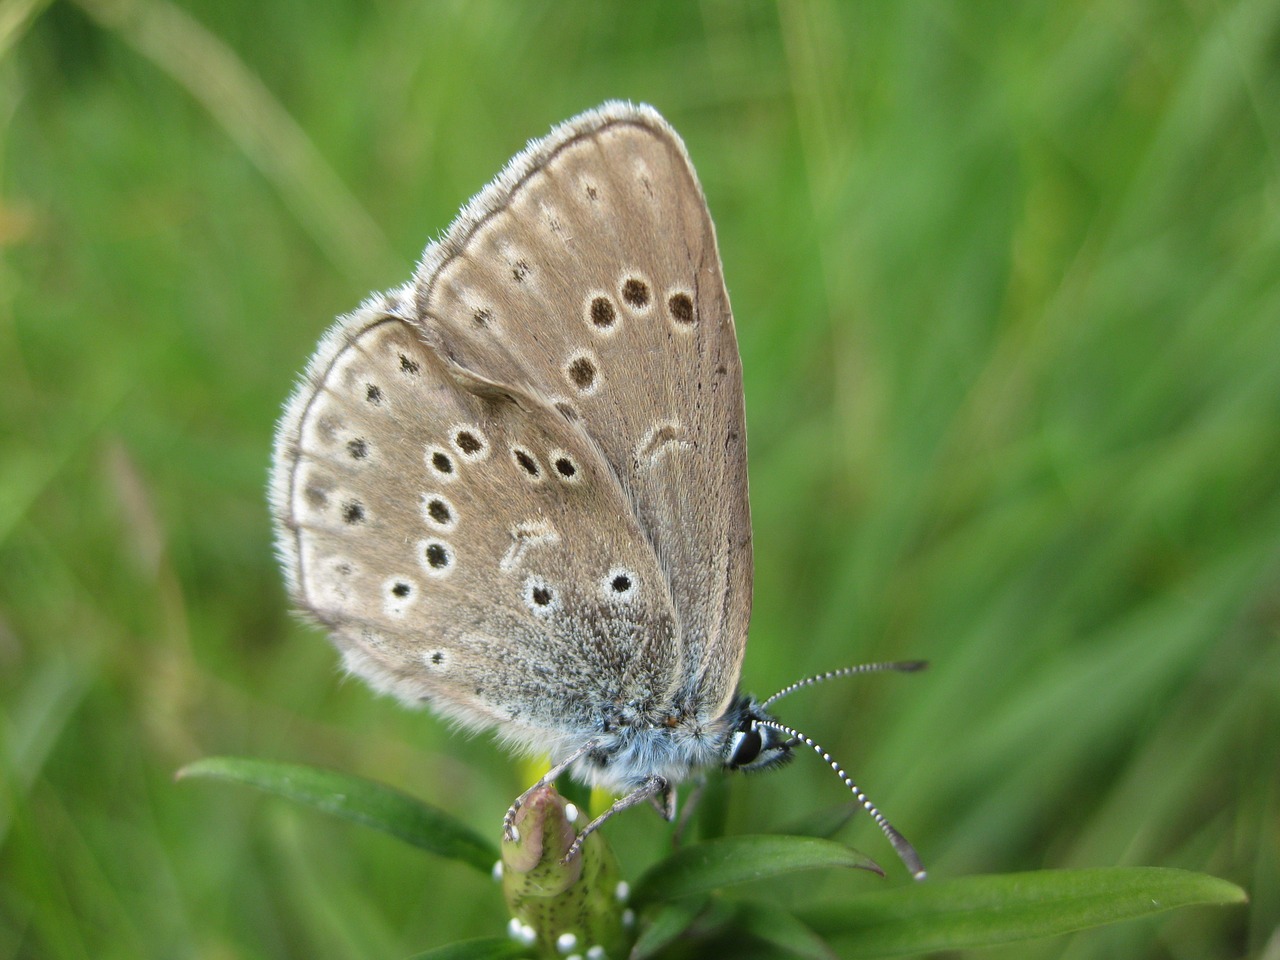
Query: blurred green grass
{"type": "Point", "coordinates": [1007, 285]}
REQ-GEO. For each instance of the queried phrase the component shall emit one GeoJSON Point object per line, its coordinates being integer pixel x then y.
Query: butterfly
{"type": "Point", "coordinates": [515, 488]}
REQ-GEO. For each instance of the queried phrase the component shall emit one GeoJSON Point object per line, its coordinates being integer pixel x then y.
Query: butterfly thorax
{"type": "Point", "coordinates": [672, 747]}
{"type": "Point", "coordinates": [677, 746]}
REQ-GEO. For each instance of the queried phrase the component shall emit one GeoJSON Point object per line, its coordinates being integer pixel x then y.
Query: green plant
{"type": "Point", "coordinates": [572, 908]}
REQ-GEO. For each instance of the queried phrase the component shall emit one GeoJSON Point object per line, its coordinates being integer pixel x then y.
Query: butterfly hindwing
{"type": "Point", "coordinates": [463, 548]}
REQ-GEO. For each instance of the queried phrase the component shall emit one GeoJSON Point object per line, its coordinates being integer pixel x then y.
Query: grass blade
{"type": "Point", "coordinates": [356, 799]}
{"type": "Point", "coordinates": [987, 910]}
{"type": "Point", "coordinates": [704, 867]}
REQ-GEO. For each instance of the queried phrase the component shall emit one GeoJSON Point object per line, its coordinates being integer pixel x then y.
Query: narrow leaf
{"type": "Point", "coordinates": [824, 823]}
{"type": "Point", "coordinates": [988, 910]}
{"type": "Point", "coordinates": [704, 867]}
{"type": "Point", "coordinates": [669, 923]}
{"type": "Point", "coordinates": [357, 799]}
{"type": "Point", "coordinates": [783, 930]}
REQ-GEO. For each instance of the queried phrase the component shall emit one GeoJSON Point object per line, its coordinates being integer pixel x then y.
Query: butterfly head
{"type": "Point", "coordinates": [755, 744]}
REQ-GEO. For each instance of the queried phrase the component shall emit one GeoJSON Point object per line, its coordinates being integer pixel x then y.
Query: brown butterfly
{"type": "Point", "coordinates": [516, 487]}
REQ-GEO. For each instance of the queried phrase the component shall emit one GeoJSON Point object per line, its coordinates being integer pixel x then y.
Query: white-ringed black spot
{"type": "Point", "coordinates": [604, 315]}
{"type": "Point", "coordinates": [398, 595]}
{"type": "Point", "coordinates": [619, 584]}
{"type": "Point", "coordinates": [410, 367]}
{"type": "Point", "coordinates": [373, 393]}
{"type": "Point", "coordinates": [437, 557]}
{"type": "Point", "coordinates": [636, 293]}
{"type": "Point", "coordinates": [358, 448]}
{"type": "Point", "coordinates": [680, 304]}
{"type": "Point", "coordinates": [438, 512]}
{"type": "Point", "coordinates": [441, 463]}
{"type": "Point", "coordinates": [565, 467]}
{"type": "Point", "coordinates": [482, 317]}
{"type": "Point", "coordinates": [353, 512]}
{"type": "Point", "coordinates": [520, 271]}
{"type": "Point", "coordinates": [583, 373]}
{"type": "Point", "coordinates": [436, 658]}
{"type": "Point", "coordinates": [540, 596]}
{"type": "Point", "coordinates": [527, 464]}
{"type": "Point", "coordinates": [470, 443]}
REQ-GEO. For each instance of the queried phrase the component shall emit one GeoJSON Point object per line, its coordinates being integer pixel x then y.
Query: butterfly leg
{"type": "Point", "coordinates": [509, 831]}
{"type": "Point", "coordinates": [690, 806]}
{"type": "Point", "coordinates": [665, 803]}
{"type": "Point", "coordinates": [651, 788]}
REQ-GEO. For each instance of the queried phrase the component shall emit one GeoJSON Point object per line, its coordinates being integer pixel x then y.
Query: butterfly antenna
{"type": "Point", "coordinates": [900, 845]}
{"type": "Point", "coordinates": [902, 666]}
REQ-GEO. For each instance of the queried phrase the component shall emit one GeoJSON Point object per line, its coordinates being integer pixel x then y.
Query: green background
{"type": "Point", "coordinates": [1007, 287]}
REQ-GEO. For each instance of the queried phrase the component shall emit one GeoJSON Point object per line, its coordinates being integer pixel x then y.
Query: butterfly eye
{"type": "Point", "coordinates": [744, 748]}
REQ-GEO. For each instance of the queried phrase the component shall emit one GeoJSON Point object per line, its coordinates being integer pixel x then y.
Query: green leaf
{"type": "Point", "coordinates": [711, 813]}
{"type": "Point", "coordinates": [484, 948]}
{"type": "Point", "coordinates": [782, 929]}
{"type": "Point", "coordinates": [987, 910]}
{"type": "Point", "coordinates": [707, 866]}
{"type": "Point", "coordinates": [823, 823]}
{"type": "Point", "coordinates": [357, 799]}
{"type": "Point", "coordinates": [669, 922]}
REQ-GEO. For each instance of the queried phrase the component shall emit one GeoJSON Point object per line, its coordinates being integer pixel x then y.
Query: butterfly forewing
{"type": "Point", "coordinates": [586, 280]}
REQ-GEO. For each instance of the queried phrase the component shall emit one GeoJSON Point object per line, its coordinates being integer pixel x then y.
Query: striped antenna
{"type": "Point", "coordinates": [900, 845]}
{"type": "Point", "coordinates": [902, 666]}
